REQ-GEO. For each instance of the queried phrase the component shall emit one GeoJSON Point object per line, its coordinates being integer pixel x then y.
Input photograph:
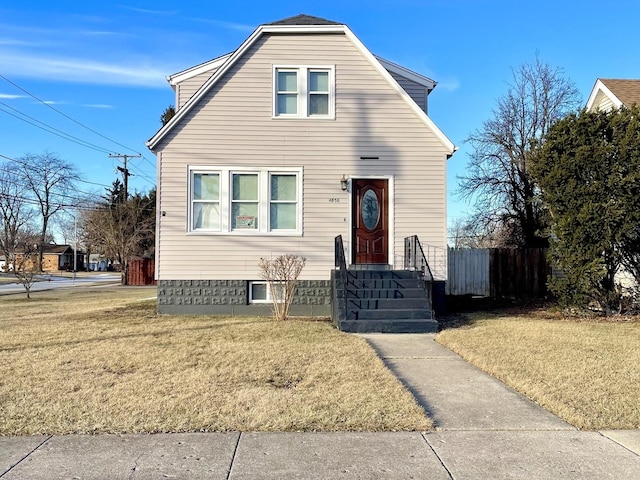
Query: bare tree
{"type": "Point", "coordinates": [50, 181]}
{"type": "Point", "coordinates": [498, 178]}
{"type": "Point", "coordinates": [469, 233]}
{"type": "Point", "coordinates": [16, 211]}
{"type": "Point", "coordinates": [281, 274]}
{"type": "Point", "coordinates": [122, 228]}
{"type": "Point", "coordinates": [24, 259]}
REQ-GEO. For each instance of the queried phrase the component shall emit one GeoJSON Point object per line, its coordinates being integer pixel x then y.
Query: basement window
{"type": "Point", "coordinates": [259, 292]}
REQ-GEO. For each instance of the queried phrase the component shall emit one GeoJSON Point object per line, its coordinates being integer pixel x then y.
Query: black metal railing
{"type": "Point", "coordinates": [415, 259]}
{"type": "Point", "coordinates": [340, 260]}
{"type": "Point", "coordinates": [341, 268]}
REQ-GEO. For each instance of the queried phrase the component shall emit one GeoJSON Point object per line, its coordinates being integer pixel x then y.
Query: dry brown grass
{"type": "Point", "coordinates": [5, 278]}
{"type": "Point", "coordinates": [70, 362]}
{"type": "Point", "coordinates": [586, 372]}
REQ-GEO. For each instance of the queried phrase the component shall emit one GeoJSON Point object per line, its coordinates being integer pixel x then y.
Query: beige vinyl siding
{"type": "Point", "coordinates": [233, 125]}
{"type": "Point", "coordinates": [604, 103]}
{"type": "Point", "coordinates": [186, 88]}
{"type": "Point", "coordinates": [416, 91]}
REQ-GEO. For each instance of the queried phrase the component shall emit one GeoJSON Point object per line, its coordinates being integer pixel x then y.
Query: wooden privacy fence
{"type": "Point", "coordinates": [497, 272]}
{"type": "Point", "coordinates": [468, 272]}
{"type": "Point", "coordinates": [140, 271]}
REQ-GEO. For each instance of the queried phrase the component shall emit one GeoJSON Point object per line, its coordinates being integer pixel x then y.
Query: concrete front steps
{"type": "Point", "coordinates": [384, 301]}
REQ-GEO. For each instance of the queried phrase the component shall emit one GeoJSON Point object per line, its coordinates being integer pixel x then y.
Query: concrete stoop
{"type": "Point", "coordinates": [383, 301]}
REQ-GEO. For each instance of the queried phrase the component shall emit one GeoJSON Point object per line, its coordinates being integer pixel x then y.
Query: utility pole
{"type": "Point", "coordinates": [124, 170]}
{"type": "Point", "coordinates": [75, 246]}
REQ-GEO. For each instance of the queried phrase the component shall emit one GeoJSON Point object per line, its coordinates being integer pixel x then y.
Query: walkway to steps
{"type": "Point", "coordinates": [485, 429]}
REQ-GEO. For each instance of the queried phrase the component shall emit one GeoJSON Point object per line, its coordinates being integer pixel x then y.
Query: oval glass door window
{"type": "Point", "coordinates": [370, 209]}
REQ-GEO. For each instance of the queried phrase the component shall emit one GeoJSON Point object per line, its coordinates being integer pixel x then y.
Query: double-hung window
{"type": "Point", "coordinates": [319, 92]}
{"type": "Point", "coordinates": [244, 201]}
{"type": "Point", "coordinates": [247, 201]}
{"type": "Point", "coordinates": [283, 201]}
{"type": "Point", "coordinates": [287, 92]}
{"type": "Point", "coordinates": [304, 92]}
{"type": "Point", "coordinates": [205, 202]}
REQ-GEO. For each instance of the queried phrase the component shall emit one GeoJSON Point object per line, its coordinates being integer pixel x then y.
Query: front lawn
{"type": "Point", "coordinates": [101, 360]}
{"type": "Point", "coordinates": [584, 371]}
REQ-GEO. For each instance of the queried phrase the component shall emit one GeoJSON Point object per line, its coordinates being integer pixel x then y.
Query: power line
{"type": "Point", "coordinates": [140, 173]}
{"type": "Point", "coordinates": [50, 129]}
{"type": "Point", "coordinates": [79, 179]}
{"type": "Point", "coordinates": [65, 115]}
{"type": "Point", "coordinates": [149, 162]}
{"type": "Point", "coordinates": [34, 202]}
{"type": "Point", "coordinates": [70, 137]}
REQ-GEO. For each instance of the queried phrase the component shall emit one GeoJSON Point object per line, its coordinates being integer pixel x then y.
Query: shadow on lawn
{"type": "Point", "coordinates": [208, 323]}
{"type": "Point", "coordinates": [464, 311]}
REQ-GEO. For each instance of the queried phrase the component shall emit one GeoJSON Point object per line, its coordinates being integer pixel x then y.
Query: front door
{"type": "Point", "coordinates": [370, 236]}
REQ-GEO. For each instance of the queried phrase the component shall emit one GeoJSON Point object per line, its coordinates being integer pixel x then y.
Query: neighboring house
{"type": "Point", "coordinates": [607, 94]}
{"type": "Point", "coordinates": [55, 258]}
{"type": "Point", "coordinates": [3, 263]}
{"type": "Point", "coordinates": [98, 262]}
{"type": "Point", "coordinates": [614, 93]}
{"type": "Point", "coordinates": [297, 137]}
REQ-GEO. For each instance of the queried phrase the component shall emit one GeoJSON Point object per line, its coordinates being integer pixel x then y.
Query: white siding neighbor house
{"type": "Point", "coordinates": [610, 93]}
{"type": "Point", "coordinates": [297, 137]}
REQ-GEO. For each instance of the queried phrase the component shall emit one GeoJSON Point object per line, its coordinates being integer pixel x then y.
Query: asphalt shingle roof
{"type": "Point", "coordinates": [303, 19]}
{"type": "Point", "coordinates": [627, 91]}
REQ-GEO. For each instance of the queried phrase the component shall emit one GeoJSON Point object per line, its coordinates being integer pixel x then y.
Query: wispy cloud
{"type": "Point", "coordinates": [449, 84]}
{"type": "Point", "coordinates": [98, 105]}
{"type": "Point", "coordinates": [147, 11]}
{"type": "Point", "coordinates": [14, 42]}
{"type": "Point", "coordinates": [8, 96]}
{"type": "Point", "coordinates": [99, 33]}
{"type": "Point", "coordinates": [239, 27]}
{"type": "Point", "coordinates": [81, 70]}
{"type": "Point", "coordinates": [420, 64]}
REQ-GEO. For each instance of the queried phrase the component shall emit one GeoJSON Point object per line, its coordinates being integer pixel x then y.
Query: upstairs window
{"type": "Point", "coordinates": [304, 92]}
{"type": "Point", "coordinates": [318, 92]}
{"type": "Point", "coordinates": [287, 92]}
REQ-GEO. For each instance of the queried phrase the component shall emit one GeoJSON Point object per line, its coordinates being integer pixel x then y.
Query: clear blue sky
{"type": "Point", "coordinates": [105, 65]}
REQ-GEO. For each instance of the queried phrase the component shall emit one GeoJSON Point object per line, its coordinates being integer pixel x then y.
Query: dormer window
{"type": "Point", "coordinates": [304, 92]}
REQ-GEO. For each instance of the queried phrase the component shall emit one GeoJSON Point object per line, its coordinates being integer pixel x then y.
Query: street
{"type": "Point", "coordinates": [50, 282]}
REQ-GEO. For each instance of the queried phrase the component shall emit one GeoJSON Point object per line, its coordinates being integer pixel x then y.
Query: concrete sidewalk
{"type": "Point", "coordinates": [484, 431]}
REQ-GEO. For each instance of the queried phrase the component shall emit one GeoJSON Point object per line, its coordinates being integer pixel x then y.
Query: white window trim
{"type": "Point", "coordinates": [264, 200]}
{"type": "Point", "coordinates": [303, 91]}
{"type": "Point", "coordinates": [269, 298]}
{"type": "Point", "coordinates": [192, 174]}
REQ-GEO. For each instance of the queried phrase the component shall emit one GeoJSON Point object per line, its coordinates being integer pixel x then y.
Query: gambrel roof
{"type": "Point", "coordinates": [609, 92]}
{"type": "Point", "coordinates": [298, 24]}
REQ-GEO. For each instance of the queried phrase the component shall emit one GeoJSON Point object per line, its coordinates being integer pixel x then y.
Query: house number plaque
{"type": "Point", "coordinates": [334, 200]}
